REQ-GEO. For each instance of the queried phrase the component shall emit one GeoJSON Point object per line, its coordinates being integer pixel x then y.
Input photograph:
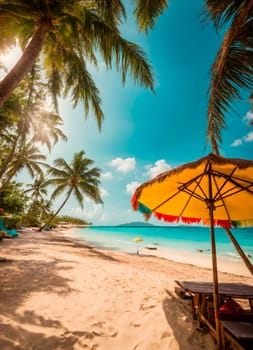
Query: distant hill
{"type": "Point", "coordinates": [137, 224]}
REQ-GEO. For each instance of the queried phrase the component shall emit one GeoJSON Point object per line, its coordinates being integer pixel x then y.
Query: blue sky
{"type": "Point", "coordinates": [145, 134]}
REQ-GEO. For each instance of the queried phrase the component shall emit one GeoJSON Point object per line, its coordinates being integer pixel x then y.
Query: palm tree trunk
{"type": "Point", "coordinates": [24, 64]}
{"type": "Point", "coordinates": [56, 213]}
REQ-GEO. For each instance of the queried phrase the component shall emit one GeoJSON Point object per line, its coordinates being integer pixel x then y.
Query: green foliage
{"type": "Point", "coordinates": [33, 125]}
{"type": "Point", "coordinates": [66, 35]}
{"type": "Point", "coordinates": [13, 222]}
{"type": "Point", "coordinates": [76, 178]}
{"type": "Point", "coordinates": [30, 220]}
{"type": "Point", "coordinates": [71, 220]}
{"type": "Point", "coordinates": [13, 199]}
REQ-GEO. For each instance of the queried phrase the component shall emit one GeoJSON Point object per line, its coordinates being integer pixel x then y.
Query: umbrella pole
{"type": "Point", "coordinates": [211, 208]}
{"type": "Point", "coordinates": [215, 280]}
{"type": "Point", "coordinates": [240, 251]}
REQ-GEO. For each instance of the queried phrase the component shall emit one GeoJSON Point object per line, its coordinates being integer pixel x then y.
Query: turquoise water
{"type": "Point", "coordinates": [182, 239]}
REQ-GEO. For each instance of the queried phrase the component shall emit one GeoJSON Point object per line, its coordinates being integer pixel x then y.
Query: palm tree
{"type": "Point", "coordinates": [233, 67]}
{"type": "Point", "coordinates": [29, 118]}
{"type": "Point", "coordinates": [46, 128]}
{"type": "Point", "coordinates": [39, 206]}
{"type": "Point", "coordinates": [28, 157]}
{"type": "Point", "coordinates": [76, 178]}
{"type": "Point", "coordinates": [38, 189]}
{"type": "Point", "coordinates": [65, 35]}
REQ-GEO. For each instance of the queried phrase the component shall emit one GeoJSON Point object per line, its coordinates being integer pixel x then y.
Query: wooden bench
{"type": "Point", "coordinates": [238, 333]}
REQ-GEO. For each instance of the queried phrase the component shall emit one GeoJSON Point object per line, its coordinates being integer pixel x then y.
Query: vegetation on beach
{"type": "Point", "coordinates": [58, 39]}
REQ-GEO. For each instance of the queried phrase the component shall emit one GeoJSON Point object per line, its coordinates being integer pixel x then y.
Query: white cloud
{"type": "Point", "coordinates": [104, 192]}
{"type": "Point", "coordinates": [159, 167]}
{"type": "Point", "coordinates": [123, 165]}
{"type": "Point", "coordinates": [236, 143]}
{"type": "Point", "coordinates": [106, 175]}
{"type": "Point", "coordinates": [248, 117]}
{"type": "Point", "coordinates": [86, 213]}
{"type": "Point", "coordinates": [102, 217]}
{"type": "Point", "coordinates": [244, 139]}
{"type": "Point", "coordinates": [249, 137]}
{"type": "Point", "coordinates": [131, 187]}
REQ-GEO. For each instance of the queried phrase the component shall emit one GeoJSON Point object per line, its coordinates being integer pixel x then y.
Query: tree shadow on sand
{"type": "Point", "coordinates": [28, 330]}
{"type": "Point", "coordinates": [80, 246]}
{"type": "Point", "coordinates": [19, 278]}
{"type": "Point", "coordinates": [37, 333]}
{"type": "Point", "coordinates": [179, 317]}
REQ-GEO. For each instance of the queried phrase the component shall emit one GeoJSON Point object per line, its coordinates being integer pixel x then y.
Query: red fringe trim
{"type": "Point", "coordinates": [191, 220]}
{"type": "Point", "coordinates": [221, 223]}
{"type": "Point", "coordinates": [134, 202]}
{"type": "Point", "coordinates": [224, 223]}
{"type": "Point", "coordinates": [166, 218]}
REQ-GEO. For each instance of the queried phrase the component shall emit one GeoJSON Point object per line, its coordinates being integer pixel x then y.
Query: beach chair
{"type": "Point", "coordinates": [236, 323]}
{"type": "Point", "coordinates": [9, 233]}
{"type": "Point", "coordinates": [237, 335]}
{"type": "Point", "coordinates": [236, 326]}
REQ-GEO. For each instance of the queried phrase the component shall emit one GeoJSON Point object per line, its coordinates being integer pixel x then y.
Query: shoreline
{"type": "Point", "coordinates": [60, 293]}
{"type": "Point", "coordinates": [199, 259]}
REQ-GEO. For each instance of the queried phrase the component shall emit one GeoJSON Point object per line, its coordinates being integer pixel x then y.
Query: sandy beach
{"type": "Point", "coordinates": [58, 293]}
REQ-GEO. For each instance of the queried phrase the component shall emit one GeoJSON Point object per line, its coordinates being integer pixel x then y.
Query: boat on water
{"type": "Point", "coordinates": [151, 247]}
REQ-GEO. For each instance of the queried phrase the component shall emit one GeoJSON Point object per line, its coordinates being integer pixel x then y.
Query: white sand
{"type": "Point", "coordinates": [57, 294]}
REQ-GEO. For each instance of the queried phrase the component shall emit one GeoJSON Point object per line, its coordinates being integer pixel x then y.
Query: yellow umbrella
{"type": "Point", "coordinates": [137, 240]}
{"type": "Point", "coordinates": [213, 190]}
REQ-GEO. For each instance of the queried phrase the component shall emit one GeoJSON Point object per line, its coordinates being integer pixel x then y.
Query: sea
{"type": "Point", "coordinates": [168, 241]}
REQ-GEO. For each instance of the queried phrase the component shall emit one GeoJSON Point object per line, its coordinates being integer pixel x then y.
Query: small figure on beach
{"type": "Point", "coordinates": [138, 240]}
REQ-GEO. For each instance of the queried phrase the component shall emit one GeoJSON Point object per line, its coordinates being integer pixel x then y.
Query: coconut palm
{"type": "Point", "coordinates": [30, 118]}
{"type": "Point", "coordinates": [76, 178]}
{"type": "Point", "coordinates": [39, 207]}
{"type": "Point", "coordinates": [233, 67]}
{"type": "Point", "coordinates": [66, 35]}
{"type": "Point", "coordinates": [38, 189]}
{"type": "Point", "coordinates": [28, 157]}
{"type": "Point", "coordinates": [46, 128]}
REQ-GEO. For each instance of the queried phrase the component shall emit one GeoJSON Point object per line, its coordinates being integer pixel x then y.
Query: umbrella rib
{"type": "Point", "coordinates": [229, 192]}
{"type": "Point", "coordinates": [225, 182]}
{"type": "Point", "coordinates": [192, 194]}
{"type": "Point", "coordinates": [222, 199]}
{"type": "Point", "coordinates": [197, 179]}
{"type": "Point", "coordinates": [185, 189]}
{"type": "Point", "coordinates": [166, 200]}
{"type": "Point", "coordinates": [237, 184]}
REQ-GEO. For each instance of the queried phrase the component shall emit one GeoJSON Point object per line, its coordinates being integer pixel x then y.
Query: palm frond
{"type": "Point", "coordinates": [147, 11]}
{"type": "Point", "coordinates": [222, 12]}
{"type": "Point", "coordinates": [78, 195]}
{"type": "Point", "coordinates": [231, 71]}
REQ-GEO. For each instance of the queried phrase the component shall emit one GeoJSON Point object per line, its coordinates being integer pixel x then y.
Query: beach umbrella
{"type": "Point", "coordinates": [212, 190]}
{"type": "Point", "coordinates": [138, 240]}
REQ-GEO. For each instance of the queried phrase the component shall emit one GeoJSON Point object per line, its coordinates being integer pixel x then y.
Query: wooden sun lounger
{"type": "Point", "coordinates": [239, 334]}
{"type": "Point", "coordinates": [233, 331]}
{"type": "Point", "coordinates": [204, 290]}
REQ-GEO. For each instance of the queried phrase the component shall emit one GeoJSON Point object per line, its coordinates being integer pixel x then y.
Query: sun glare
{"type": "Point", "coordinates": [10, 58]}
